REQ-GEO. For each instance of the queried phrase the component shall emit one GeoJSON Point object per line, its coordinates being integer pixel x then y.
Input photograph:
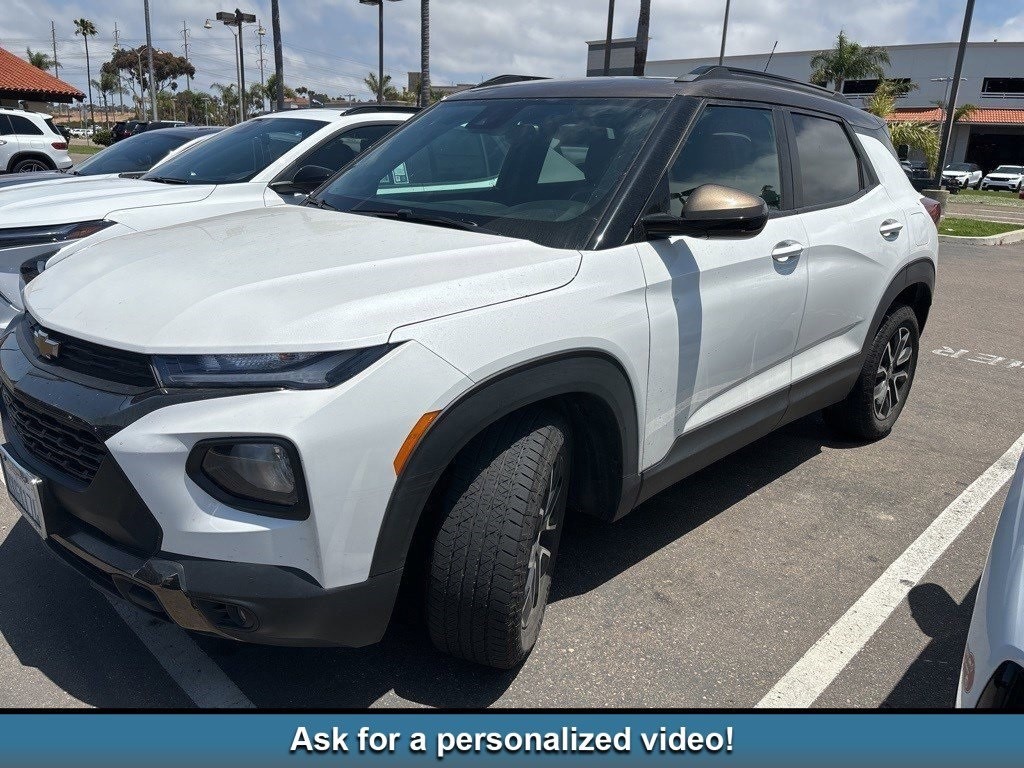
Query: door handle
{"type": "Point", "coordinates": [786, 250]}
{"type": "Point", "coordinates": [890, 229]}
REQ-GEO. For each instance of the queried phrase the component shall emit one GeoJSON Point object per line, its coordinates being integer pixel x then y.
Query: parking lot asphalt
{"type": "Point", "coordinates": [1007, 214]}
{"type": "Point", "coordinates": [706, 596]}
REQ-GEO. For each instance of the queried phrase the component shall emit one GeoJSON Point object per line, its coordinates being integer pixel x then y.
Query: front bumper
{"type": "Point", "coordinates": [999, 184]}
{"type": "Point", "coordinates": [281, 606]}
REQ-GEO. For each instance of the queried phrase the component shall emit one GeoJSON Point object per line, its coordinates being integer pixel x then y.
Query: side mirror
{"type": "Point", "coordinates": [712, 210]}
{"type": "Point", "coordinates": [306, 179]}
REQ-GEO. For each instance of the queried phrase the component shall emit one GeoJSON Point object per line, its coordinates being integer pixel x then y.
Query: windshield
{"type": "Point", "coordinates": [137, 153]}
{"type": "Point", "coordinates": [1009, 169]}
{"type": "Point", "coordinates": [958, 167]}
{"type": "Point", "coordinates": [538, 169]}
{"type": "Point", "coordinates": [237, 154]}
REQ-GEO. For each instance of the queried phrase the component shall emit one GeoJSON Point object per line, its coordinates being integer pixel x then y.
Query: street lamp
{"type": "Point", "coordinates": [236, 19]}
{"type": "Point", "coordinates": [380, 45]}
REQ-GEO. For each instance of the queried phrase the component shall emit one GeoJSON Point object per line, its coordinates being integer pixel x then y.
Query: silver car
{"type": "Point", "coordinates": [992, 676]}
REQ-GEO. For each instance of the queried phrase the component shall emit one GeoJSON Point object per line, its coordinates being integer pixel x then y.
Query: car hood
{"type": "Point", "coordinates": [1002, 176]}
{"type": "Point", "coordinates": [88, 199]}
{"type": "Point", "coordinates": [956, 173]}
{"type": "Point", "coordinates": [283, 279]}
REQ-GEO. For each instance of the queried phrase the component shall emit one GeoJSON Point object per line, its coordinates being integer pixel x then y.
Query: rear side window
{"type": "Point", "coordinates": [5, 126]}
{"type": "Point", "coordinates": [23, 126]}
{"type": "Point", "coordinates": [828, 165]}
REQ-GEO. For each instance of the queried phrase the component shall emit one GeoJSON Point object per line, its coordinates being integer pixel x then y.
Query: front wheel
{"type": "Point", "coordinates": [494, 554]}
{"type": "Point", "coordinates": [877, 399]}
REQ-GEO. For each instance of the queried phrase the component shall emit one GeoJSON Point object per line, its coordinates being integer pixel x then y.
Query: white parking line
{"type": "Point", "coordinates": [195, 673]}
{"type": "Point", "coordinates": [812, 674]}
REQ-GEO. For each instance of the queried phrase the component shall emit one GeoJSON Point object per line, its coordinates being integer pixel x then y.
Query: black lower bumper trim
{"type": "Point", "coordinates": [280, 606]}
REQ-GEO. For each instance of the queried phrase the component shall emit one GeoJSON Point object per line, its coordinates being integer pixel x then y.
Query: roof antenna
{"type": "Point", "coordinates": [770, 56]}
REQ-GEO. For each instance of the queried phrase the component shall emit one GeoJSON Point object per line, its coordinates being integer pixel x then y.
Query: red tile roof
{"type": "Point", "coordinates": [982, 116]}
{"type": "Point", "coordinates": [20, 80]}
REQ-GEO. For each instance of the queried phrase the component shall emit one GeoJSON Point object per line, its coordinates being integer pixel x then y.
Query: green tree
{"type": "Point", "coordinates": [108, 85]}
{"type": "Point", "coordinates": [87, 29]}
{"type": "Point", "coordinates": [390, 92]}
{"type": "Point", "coordinates": [883, 100]}
{"type": "Point", "coordinates": [963, 112]}
{"type": "Point", "coordinates": [167, 67]}
{"type": "Point", "coordinates": [917, 135]}
{"type": "Point", "coordinates": [272, 89]}
{"type": "Point", "coordinates": [848, 61]}
{"type": "Point", "coordinates": [39, 59]}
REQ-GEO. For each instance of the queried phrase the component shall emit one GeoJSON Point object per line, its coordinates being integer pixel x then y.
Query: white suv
{"type": "Point", "coordinates": [29, 141]}
{"type": "Point", "coordinates": [532, 300]}
{"type": "Point", "coordinates": [1009, 177]}
{"type": "Point", "coordinates": [267, 161]}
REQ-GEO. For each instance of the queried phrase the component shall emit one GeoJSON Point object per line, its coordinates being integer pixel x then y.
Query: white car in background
{"type": "Point", "coordinates": [29, 141]}
{"type": "Point", "coordinates": [965, 174]}
{"type": "Point", "coordinates": [992, 676]}
{"type": "Point", "coordinates": [1005, 177]}
{"type": "Point", "coordinates": [267, 161]}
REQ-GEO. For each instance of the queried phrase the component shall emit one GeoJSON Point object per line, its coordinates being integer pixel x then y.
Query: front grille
{"type": "Point", "coordinates": [101, 362]}
{"type": "Point", "coordinates": [58, 443]}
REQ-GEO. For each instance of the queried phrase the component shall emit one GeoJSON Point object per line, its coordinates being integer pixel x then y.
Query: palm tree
{"type": "Point", "coordinates": [39, 59]}
{"type": "Point", "coordinates": [424, 53]}
{"type": "Point", "coordinates": [86, 28]}
{"type": "Point", "coordinates": [848, 61]}
{"type": "Point", "coordinates": [643, 31]}
{"type": "Point", "coordinates": [883, 101]}
{"type": "Point", "coordinates": [275, 23]}
{"type": "Point", "coordinates": [228, 97]}
{"type": "Point", "coordinates": [917, 135]}
{"type": "Point", "coordinates": [390, 92]}
{"type": "Point", "coordinates": [963, 112]}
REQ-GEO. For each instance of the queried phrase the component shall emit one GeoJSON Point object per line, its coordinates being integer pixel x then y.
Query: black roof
{"type": "Point", "coordinates": [714, 82]}
{"type": "Point", "coordinates": [188, 131]}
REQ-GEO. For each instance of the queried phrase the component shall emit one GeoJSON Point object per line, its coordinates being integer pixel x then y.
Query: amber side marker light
{"type": "Point", "coordinates": [417, 432]}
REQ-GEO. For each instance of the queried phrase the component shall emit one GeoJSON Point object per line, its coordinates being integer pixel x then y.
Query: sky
{"type": "Point", "coordinates": [330, 45]}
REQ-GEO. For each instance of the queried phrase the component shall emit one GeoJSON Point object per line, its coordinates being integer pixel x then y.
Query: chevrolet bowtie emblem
{"type": "Point", "coordinates": [48, 348]}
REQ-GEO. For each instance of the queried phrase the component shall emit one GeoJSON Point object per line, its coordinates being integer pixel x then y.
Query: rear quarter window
{"type": "Point", "coordinates": [828, 165]}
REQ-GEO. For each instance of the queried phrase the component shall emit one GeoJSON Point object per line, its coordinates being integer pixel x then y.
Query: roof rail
{"type": "Point", "coordinates": [711, 72]}
{"type": "Point", "coordinates": [380, 108]}
{"type": "Point", "coordinates": [503, 79]}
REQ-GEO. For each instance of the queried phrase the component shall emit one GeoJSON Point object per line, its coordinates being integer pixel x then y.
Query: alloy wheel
{"type": "Point", "coordinates": [540, 566]}
{"type": "Point", "coordinates": [892, 379]}
{"type": "Point", "coordinates": [32, 166]}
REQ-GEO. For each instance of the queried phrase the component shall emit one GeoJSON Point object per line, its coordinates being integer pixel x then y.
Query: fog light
{"type": "Point", "coordinates": [261, 472]}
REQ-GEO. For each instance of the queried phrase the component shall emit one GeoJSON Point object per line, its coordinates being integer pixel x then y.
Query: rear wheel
{"type": "Point", "coordinates": [29, 165]}
{"type": "Point", "coordinates": [877, 399]}
{"type": "Point", "coordinates": [494, 554]}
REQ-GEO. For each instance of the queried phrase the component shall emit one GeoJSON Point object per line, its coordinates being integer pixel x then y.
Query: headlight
{"type": "Point", "coordinates": [56, 233]}
{"type": "Point", "coordinates": [297, 370]}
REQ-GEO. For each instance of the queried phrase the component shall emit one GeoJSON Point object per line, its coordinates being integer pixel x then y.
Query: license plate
{"type": "Point", "coordinates": [23, 487]}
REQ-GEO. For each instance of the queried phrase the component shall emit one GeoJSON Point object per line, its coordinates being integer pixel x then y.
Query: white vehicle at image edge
{"type": "Point", "coordinates": [1005, 177]}
{"type": "Point", "coordinates": [992, 675]}
{"type": "Point", "coordinates": [534, 299]}
{"type": "Point", "coordinates": [29, 141]}
{"type": "Point", "coordinates": [267, 161]}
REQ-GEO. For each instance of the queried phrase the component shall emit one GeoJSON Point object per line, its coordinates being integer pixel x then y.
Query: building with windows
{"type": "Point", "coordinates": [992, 80]}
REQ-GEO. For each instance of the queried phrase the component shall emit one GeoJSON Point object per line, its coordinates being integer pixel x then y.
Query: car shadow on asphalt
{"type": "Point", "coordinates": [70, 633]}
{"type": "Point", "coordinates": [931, 680]}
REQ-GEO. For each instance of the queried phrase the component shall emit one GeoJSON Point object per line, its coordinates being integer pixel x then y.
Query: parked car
{"type": "Point", "coordinates": [265, 161]}
{"type": "Point", "coordinates": [964, 175]}
{"type": "Point", "coordinates": [917, 171]}
{"type": "Point", "coordinates": [992, 675]}
{"type": "Point", "coordinates": [133, 157]}
{"type": "Point", "coordinates": [161, 124]}
{"type": "Point", "coordinates": [126, 128]}
{"type": "Point", "coordinates": [29, 141]}
{"type": "Point", "coordinates": [1005, 177]}
{"type": "Point", "coordinates": [536, 297]}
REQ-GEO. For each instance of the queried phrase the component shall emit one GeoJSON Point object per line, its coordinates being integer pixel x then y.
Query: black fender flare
{"type": "Point", "coordinates": [919, 272]}
{"type": "Point", "coordinates": [589, 372]}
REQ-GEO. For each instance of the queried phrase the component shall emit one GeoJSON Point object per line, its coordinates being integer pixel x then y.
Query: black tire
{"type": "Point", "coordinates": [861, 415]}
{"type": "Point", "coordinates": [30, 165]}
{"type": "Point", "coordinates": [493, 557]}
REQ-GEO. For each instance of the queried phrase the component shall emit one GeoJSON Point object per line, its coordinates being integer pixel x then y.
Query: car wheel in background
{"type": "Point", "coordinates": [494, 554]}
{"type": "Point", "coordinates": [877, 399]}
{"type": "Point", "coordinates": [30, 165]}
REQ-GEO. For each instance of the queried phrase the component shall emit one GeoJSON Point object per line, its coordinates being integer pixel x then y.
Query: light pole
{"type": "Point", "coordinates": [237, 19]}
{"type": "Point", "coordinates": [149, 55]}
{"type": "Point", "coordinates": [260, 34]}
{"type": "Point", "coordinates": [380, 45]}
{"type": "Point", "coordinates": [947, 123]}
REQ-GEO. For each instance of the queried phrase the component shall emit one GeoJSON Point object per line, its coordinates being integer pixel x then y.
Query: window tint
{"type": "Point", "coordinates": [24, 127]}
{"type": "Point", "coordinates": [5, 126]}
{"type": "Point", "coordinates": [342, 149]}
{"type": "Point", "coordinates": [732, 146]}
{"type": "Point", "coordinates": [828, 166]}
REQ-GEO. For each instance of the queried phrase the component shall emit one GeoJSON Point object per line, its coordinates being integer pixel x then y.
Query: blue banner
{"type": "Point", "coordinates": [257, 740]}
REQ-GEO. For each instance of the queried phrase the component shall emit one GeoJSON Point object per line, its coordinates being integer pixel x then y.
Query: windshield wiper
{"type": "Point", "coordinates": [407, 214]}
{"type": "Point", "coordinates": [165, 180]}
{"type": "Point", "coordinates": [322, 204]}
